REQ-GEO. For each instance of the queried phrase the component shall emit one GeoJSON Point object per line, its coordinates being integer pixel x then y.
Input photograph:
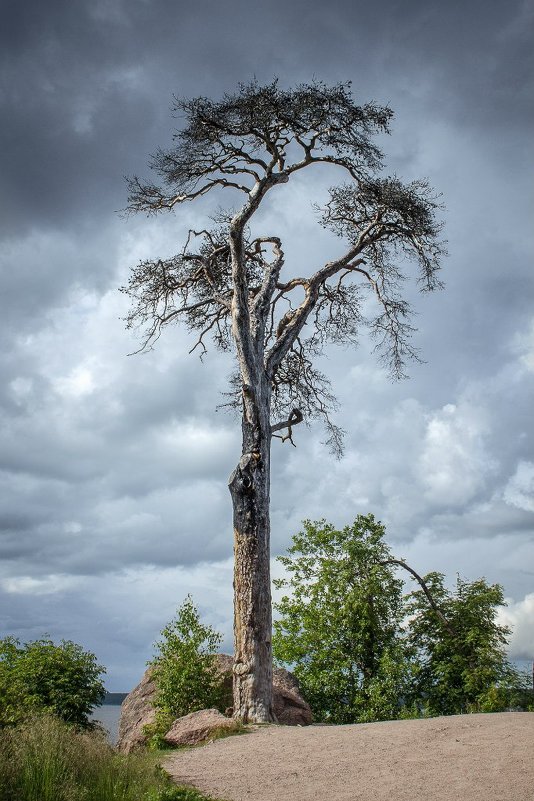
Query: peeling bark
{"type": "Point", "coordinates": [249, 487]}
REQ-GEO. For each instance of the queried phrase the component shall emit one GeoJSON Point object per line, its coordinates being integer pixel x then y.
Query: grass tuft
{"type": "Point", "coordinates": [180, 794]}
{"type": "Point", "coordinates": [44, 759]}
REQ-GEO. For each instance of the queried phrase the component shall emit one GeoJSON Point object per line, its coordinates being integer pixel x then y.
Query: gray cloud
{"type": "Point", "coordinates": [113, 469]}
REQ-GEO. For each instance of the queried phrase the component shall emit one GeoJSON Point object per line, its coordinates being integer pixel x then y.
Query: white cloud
{"type": "Point", "coordinates": [454, 462]}
{"type": "Point", "coordinates": [49, 585]}
{"type": "Point", "coordinates": [72, 527]}
{"type": "Point", "coordinates": [520, 617]}
{"type": "Point", "coordinates": [80, 381]}
{"type": "Point", "coordinates": [519, 490]}
{"type": "Point", "coordinates": [523, 345]}
{"type": "Point", "coordinates": [21, 387]}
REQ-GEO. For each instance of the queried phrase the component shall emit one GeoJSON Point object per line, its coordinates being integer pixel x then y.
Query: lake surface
{"type": "Point", "coordinates": [108, 715]}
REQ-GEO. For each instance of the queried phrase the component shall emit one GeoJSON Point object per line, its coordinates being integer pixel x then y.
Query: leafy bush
{"type": "Point", "coordinates": [39, 675]}
{"type": "Point", "coordinates": [185, 671]}
{"type": "Point", "coordinates": [177, 794]}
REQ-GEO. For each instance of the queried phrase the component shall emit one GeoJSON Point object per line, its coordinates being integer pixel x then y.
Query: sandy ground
{"type": "Point", "coordinates": [458, 758]}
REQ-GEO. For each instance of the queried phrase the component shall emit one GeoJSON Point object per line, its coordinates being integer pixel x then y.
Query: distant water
{"type": "Point", "coordinates": [108, 715]}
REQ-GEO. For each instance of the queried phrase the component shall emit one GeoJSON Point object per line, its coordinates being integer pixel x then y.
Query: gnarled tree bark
{"type": "Point", "coordinates": [249, 487]}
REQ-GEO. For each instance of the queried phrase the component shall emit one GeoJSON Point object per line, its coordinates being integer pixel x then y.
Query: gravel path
{"type": "Point", "coordinates": [458, 758]}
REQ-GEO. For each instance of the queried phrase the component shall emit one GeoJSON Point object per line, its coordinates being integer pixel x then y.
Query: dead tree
{"type": "Point", "coordinates": [232, 286]}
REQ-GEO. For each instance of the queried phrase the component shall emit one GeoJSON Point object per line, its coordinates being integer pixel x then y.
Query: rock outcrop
{"type": "Point", "coordinates": [197, 727]}
{"type": "Point", "coordinates": [137, 710]}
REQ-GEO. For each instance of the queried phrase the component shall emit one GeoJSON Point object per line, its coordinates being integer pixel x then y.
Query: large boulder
{"type": "Point", "coordinates": [137, 710]}
{"type": "Point", "coordinates": [290, 708]}
{"type": "Point", "coordinates": [197, 727]}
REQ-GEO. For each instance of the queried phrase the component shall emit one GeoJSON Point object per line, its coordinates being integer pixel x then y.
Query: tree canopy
{"type": "Point", "coordinates": [224, 284]}
{"type": "Point", "coordinates": [465, 667]}
{"type": "Point", "coordinates": [364, 649]}
{"type": "Point", "coordinates": [340, 628]}
{"type": "Point", "coordinates": [39, 675]}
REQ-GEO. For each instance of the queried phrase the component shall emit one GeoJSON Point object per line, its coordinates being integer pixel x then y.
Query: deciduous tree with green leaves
{"type": "Point", "coordinates": [340, 628]}
{"type": "Point", "coordinates": [184, 669]}
{"type": "Point", "coordinates": [364, 650]}
{"type": "Point", "coordinates": [39, 675]}
{"type": "Point", "coordinates": [463, 667]}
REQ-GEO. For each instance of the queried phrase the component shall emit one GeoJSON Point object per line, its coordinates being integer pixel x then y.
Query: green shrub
{"type": "Point", "coordinates": [185, 671]}
{"type": "Point", "coordinates": [177, 794]}
{"type": "Point", "coordinates": [39, 675]}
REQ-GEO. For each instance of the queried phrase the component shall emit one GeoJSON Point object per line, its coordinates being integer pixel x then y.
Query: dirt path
{"type": "Point", "coordinates": [459, 758]}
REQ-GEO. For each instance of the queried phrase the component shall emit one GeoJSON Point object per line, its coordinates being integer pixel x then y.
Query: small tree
{"type": "Point", "coordinates": [464, 667]}
{"type": "Point", "coordinates": [39, 675]}
{"type": "Point", "coordinates": [340, 628]}
{"type": "Point", "coordinates": [228, 283]}
{"type": "Point", "coordinates": [185, 671]}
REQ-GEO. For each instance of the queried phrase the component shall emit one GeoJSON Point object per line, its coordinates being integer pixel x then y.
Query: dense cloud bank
{"type": "Point", "coordinates": [113, 468]}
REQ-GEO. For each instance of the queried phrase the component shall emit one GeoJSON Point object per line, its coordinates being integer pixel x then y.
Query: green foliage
{"type": "Point", "coordinates": [177, 794]}
{"type": "Point", "coordinates": [45, 759]}
{"type": "Point", "coordinates": [340, 629]}
{"type": "Point", "coordinates": [466, 669]}
{"type": "Point", "coordinates": [364, 651]}
{"type": "Point", "coordinates": [39, 675]}
{"type": "Point", "coordinates": [185, 671]}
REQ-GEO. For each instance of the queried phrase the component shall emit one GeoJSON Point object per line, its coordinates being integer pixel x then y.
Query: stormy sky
{"type": "Point", "coordinates": [114, 501]}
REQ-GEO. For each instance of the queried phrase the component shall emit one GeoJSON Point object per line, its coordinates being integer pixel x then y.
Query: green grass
{"type": "Point", "coordinates": [43, 759]}
{"type": "Point", "coordinates": [181, 794]}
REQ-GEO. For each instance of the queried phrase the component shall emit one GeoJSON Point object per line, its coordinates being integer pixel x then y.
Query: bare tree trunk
{"type": "Point", "coordinates": [249, 487]}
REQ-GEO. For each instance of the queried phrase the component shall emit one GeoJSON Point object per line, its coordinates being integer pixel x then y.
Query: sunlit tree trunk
{"type": "Point", "coordinates": [249, 487]}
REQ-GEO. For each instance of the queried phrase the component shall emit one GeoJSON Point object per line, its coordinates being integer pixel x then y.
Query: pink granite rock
{"type": "Point", "coordinates": [197, 727]}
{"type": "Point", "coordinates": [137, 710]}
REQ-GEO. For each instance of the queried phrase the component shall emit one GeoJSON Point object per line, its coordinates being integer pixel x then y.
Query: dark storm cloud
{"type": "Point", "coordinates": [471, 61]}
{"type": "Point", "coordinates": [86, 92]}
{"type": "Point", "coordinates": [71, 108]}
{"type": "Point", "coordinates": [86, 86]}
{"type": "Point", "coordinates": [123, 460]}
{"type": "Point", "coordinates": [117, 616]}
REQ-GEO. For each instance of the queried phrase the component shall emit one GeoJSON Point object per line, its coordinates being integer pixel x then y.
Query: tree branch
{"type": "Point", "coordinates": [263, 299]}
{"type": "Point", "coordinates": [452, 631]}
{"type": "Point", "coordinates": [294, 326]}
{"type": "Point", "coordinates": [294, 419]}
